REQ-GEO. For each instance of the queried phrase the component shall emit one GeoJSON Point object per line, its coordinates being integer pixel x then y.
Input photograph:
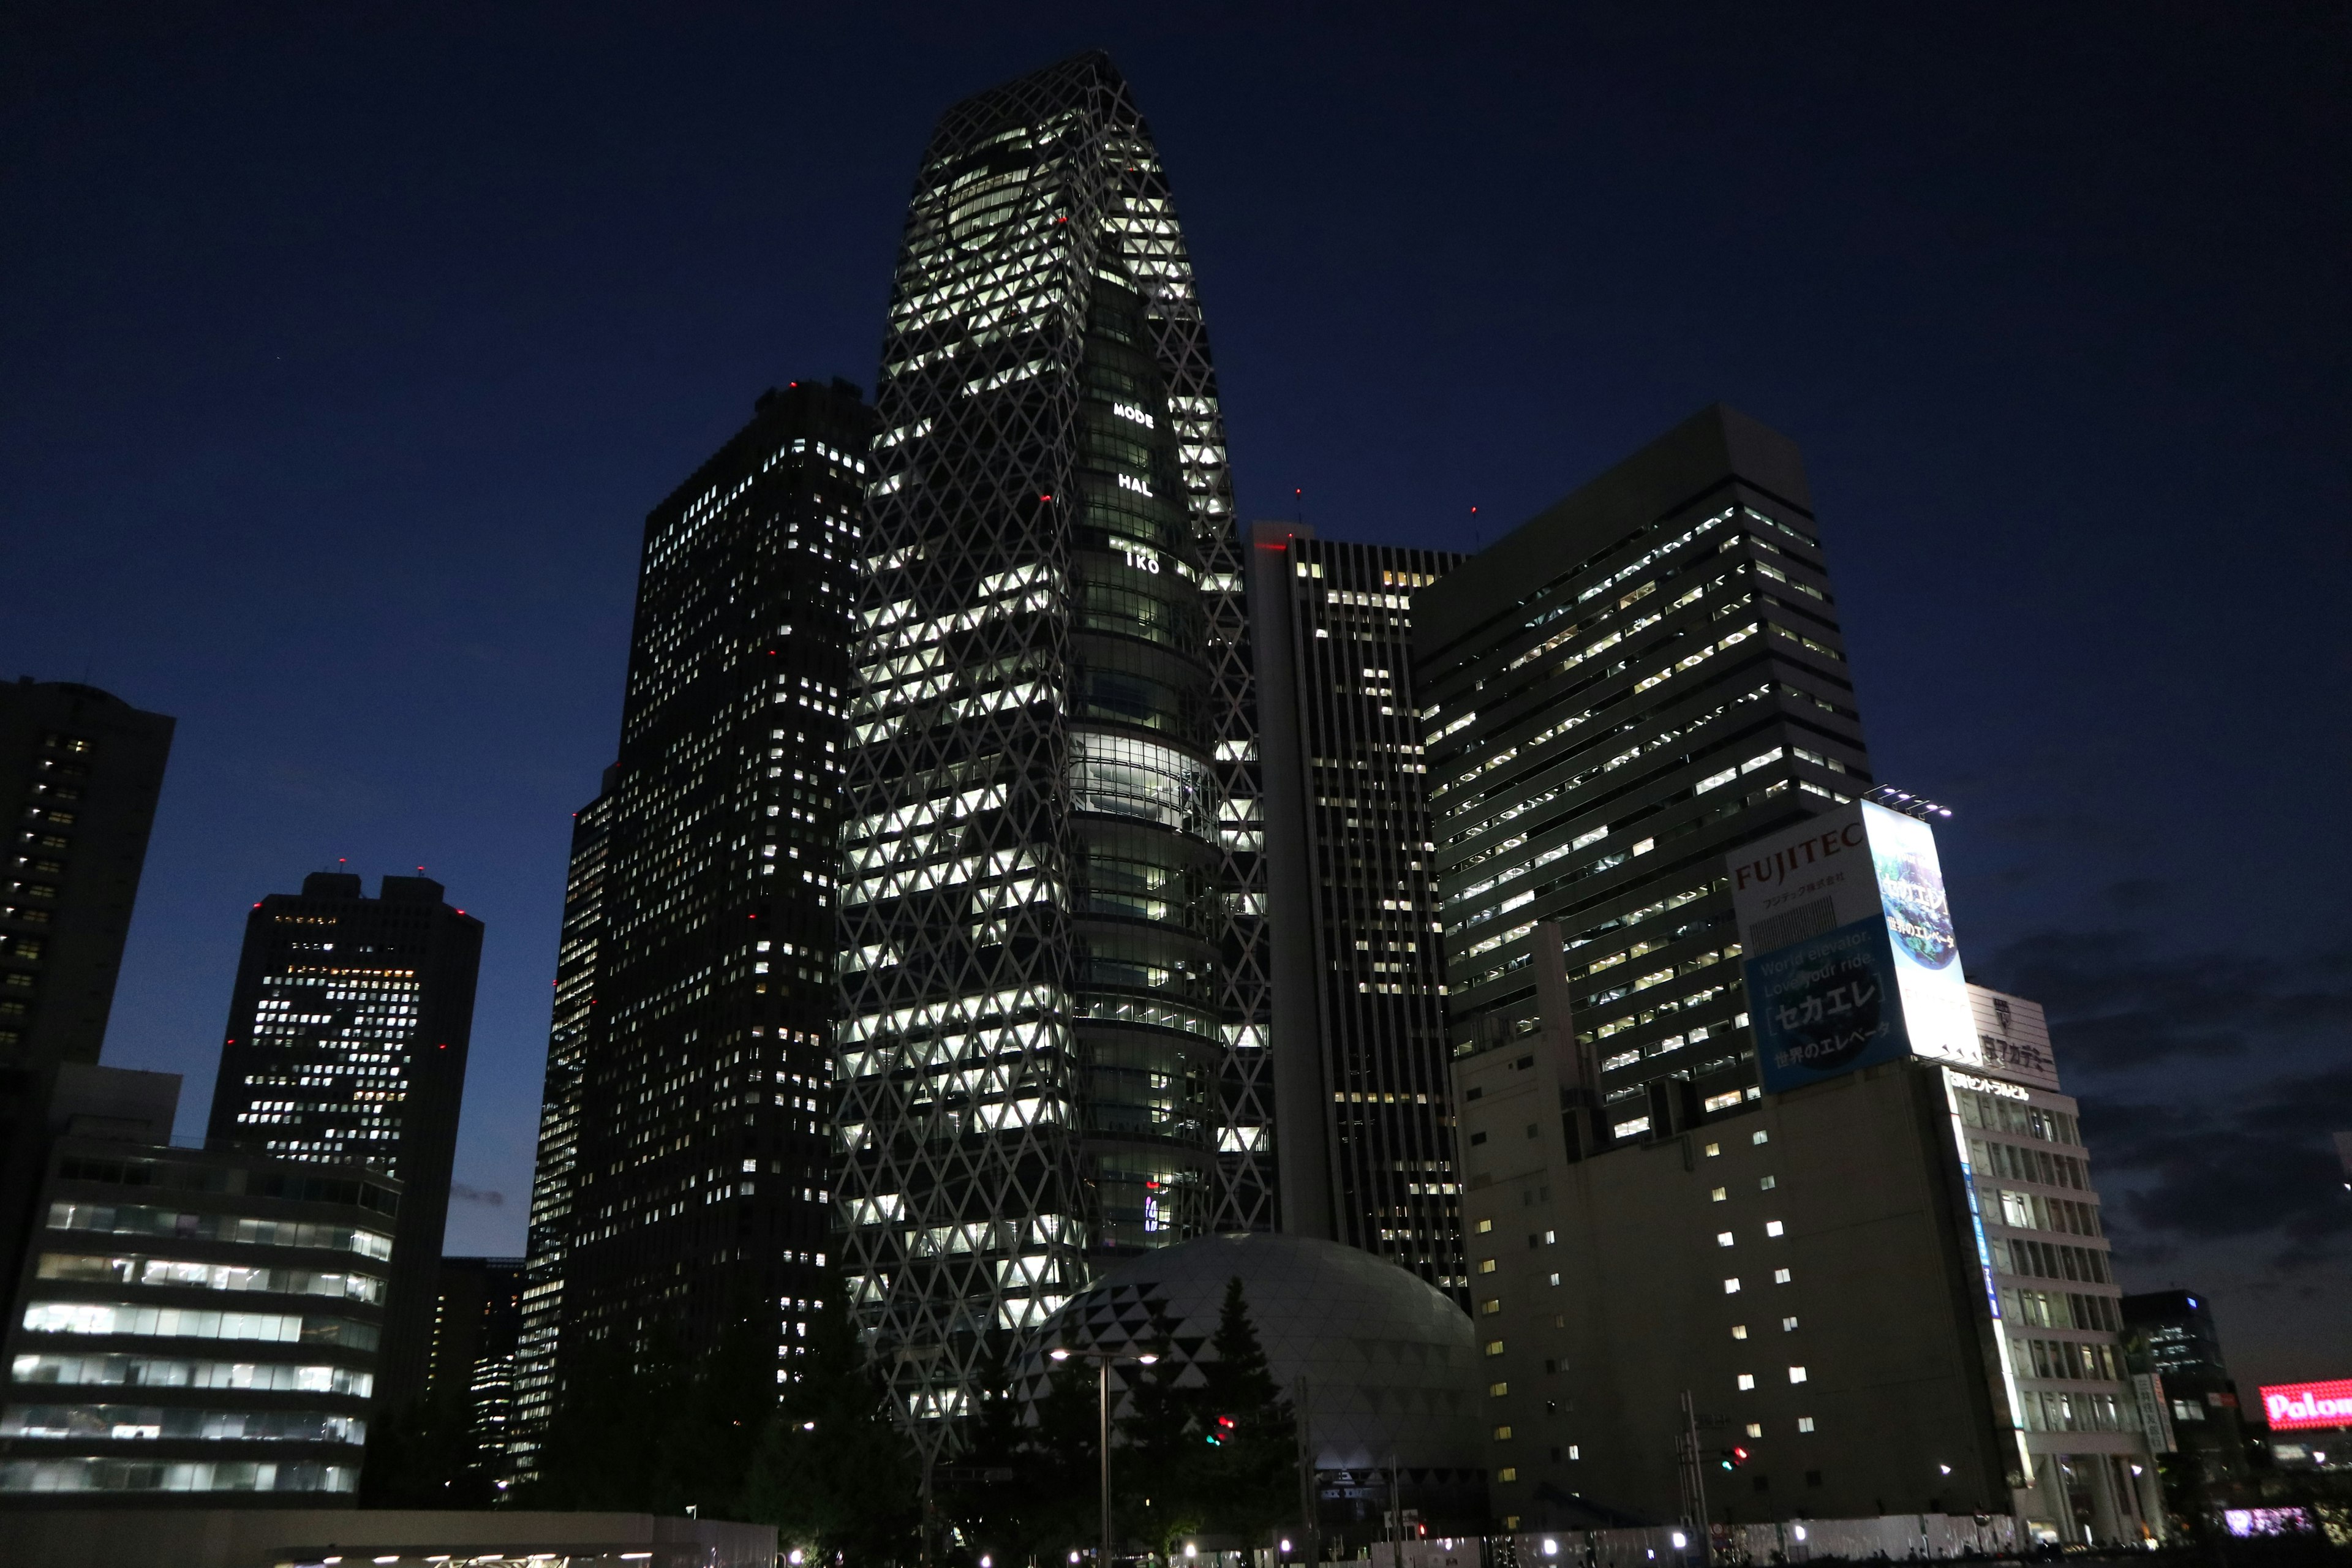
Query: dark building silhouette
{"type": "Point", "coordinates": [346, 1045]}
{"type": "Point", "coordinates": [79, 773]}
{"type": "Point", "coordinates": [477, 1330]}
{"type": "Point", "coordinates": [1614, 694]}
{"type": "Point", "coordinates": [1054, 1000]}
{"type": "Point", "coordinates": [1363, 1127]}
{"type": "Point", "coordinates": [683, 1180]}
{"type": "Point", "coordinates": [189, 1326]}
{"type": "Point", "coordinates": [2170, 1336]}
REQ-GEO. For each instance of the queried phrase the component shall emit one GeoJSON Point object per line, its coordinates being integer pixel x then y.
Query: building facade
{"type": "Point", "coordinates": [477, 1333]}
{"type": "Point", "coordinates": [1363, 1123]}
{"type": "Point", "coordinates": [2175, 1348]}
{"type": "Point", "coordinates": [346, 1046]}
{"type": "Point", "coordinates": [190, 1323]}
{"type": "Point", "coordinates": [1613, 695]}
{"type": "Point", "coordinates": [553, 1175]}
{"type": "Point", "coordinates": [1054, 995]}
{"type": "Point", "coordinates": [683, 1176]}
{"type": "Point", "coordinates": [80, 774]}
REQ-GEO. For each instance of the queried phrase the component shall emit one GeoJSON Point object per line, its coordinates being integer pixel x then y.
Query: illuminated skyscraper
{"type": "Point", "coordinates": [1635, 679]}
{"type": "Point", "coordinates": [346, 1046]}
{"type": "Point", "coordinates": [683, 1178]}
{"type": "Point", "coordinates": [1053, 1003]}
{"type": "Point", "coordinates": [1362, 1127]}
{"type": "Point", "coordinates": [541, 1321]}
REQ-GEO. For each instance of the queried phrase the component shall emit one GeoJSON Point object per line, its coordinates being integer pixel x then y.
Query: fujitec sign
{"type": "Point", "coordinates": [1850, 958]}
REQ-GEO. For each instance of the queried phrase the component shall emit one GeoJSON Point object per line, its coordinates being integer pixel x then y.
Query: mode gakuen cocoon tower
{"type": "Point", "coordinates": [1054, 995]}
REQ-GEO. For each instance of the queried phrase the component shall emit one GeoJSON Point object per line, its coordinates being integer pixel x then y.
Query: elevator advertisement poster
{"type": "Point", "coordinates": [1830, 877]}
{"type": "Point", "coordinates": [1825, 1005]}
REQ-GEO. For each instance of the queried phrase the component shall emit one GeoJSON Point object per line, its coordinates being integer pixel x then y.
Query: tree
{"type": "Point", "coordinates": [832, 1472]}
{"type": "Point", "coordinates": [1249, 1479]}
{"type": "Point", "coordinates": [425, 1455]}
{"type": "Point", "coordinates": [1160, 1459]}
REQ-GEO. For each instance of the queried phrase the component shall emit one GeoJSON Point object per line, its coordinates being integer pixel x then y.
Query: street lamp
{"type": "Point", "coordinates": [1103, 1361]}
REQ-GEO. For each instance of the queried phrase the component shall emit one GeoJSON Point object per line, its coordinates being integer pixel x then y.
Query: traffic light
{"type": "Point", "coordinates": [1221, 1432]}
{"type": "Point", "coordinates": [1731, 1459]}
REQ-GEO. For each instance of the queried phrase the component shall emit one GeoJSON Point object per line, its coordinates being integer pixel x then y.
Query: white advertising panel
{"type": "Point", "coordinates": [1860, 868]}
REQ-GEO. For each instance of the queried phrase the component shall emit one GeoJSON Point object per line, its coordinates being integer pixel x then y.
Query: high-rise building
{"type": "Point", "coordinates": [79, 773]}
{"type": "Point", "coordinates": [684, 1171]}
{"type": "Point", "coordinates": [189, 1323]}
{"type": "Point", "coordinates": [1054, 1000]}
{"type": "Point", "coordinates": [1614, 694]}
{"type": "Point", "coordinates": [346, 1046]}
{"type": "Point", "coordinates": [1362, 1127]}
{"type": "Point", "coordinates": [476, 1331]}
{"type": "Point", "coordinates": [551, 1182]}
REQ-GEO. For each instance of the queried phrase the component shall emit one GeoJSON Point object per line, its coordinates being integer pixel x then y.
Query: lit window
{"type": "Point", "coordinates": [1766, 1185]}
{"type": "Point", "coordinates": [1718, 1194]}
{"type": "Point", "coordinates": [1755, 1428]}
{"type": "Point", "coordinates": [1485, 1225]}
{"type": "Point", "coordinates": [1788, 1325]}
{"type": "Point", "coordinates": [1796, 1375]}
{"type": "Point", "coordinates": [1772, 1227]}
{"type": "Point", "coordinates": [1761, 1137]}
{"type": "Point", "coordinates": [1723, 1238]}
{"type": "Point", "coordinates": [1713, 1150]}
{"type": "Point", "coordinates": [1494, 1347]}
{"type": "Point", "coordinates": [1502, 1434]}
{"type": "Point", "coordinates": [1779, 1277]}
{"type": "Point", "coordinates": [1497, 1390]}
{"type": "Point", "coordinates": [1506, 1474]}
{"type": "Point", "coordinates": [1746, 1380]}
{"type": "Point", "coordinates": [1572, 1453]}
{"type": "Point", "coordinates": [1491, 1305]}
{"type": "Point", "coordinates": [1731, 1287]}
{"type": "Point", "coordinates": [1738, 1331]}
{"type": "Point", "coordinates": [1555, 1279]}
{"type": "Point", "coordinates": [1486, 1266]}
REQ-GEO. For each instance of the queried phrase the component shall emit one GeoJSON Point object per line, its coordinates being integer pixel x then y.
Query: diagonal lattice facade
{"type": "Point", "coordinates": [1054, 985]}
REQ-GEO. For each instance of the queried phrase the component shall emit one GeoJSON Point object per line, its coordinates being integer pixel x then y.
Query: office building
{"type": "Point", "coordinates": [1055, 1004]}
{"type": "Point", "coordinates": [1362, 1128]}
{"type": "Point", "coordinates": [1880, 1287]}
{"type": "Point", "coordinates": [346, 1046]}
{"type": "Point", "coordinates": [2175, 1350]}
{"type": "Point", "coordinates": [477, 1330]}
{"type": "Point", "coordinates": [683, 1182]}
{"type": "Point", "coordinates": [79, 773]}
{"type": "Point", "coordinates": [540, 1328]}
{"type": "Point", "coordinates": [190, 1323]}
{"type": "Point", "coordinates": [1614, 694]}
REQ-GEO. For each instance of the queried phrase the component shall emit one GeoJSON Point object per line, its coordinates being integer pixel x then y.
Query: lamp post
{"type": "Point", "coordinates": [1103, 1361]}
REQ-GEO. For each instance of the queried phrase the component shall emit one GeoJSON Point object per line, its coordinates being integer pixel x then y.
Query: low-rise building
{"type": "Point", "coordinates": [192, 1323]}
{"type": "Point", "coordinates": [1875, 1286]}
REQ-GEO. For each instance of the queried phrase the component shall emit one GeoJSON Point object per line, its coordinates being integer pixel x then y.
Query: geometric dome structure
{"type": "Point", "coordinates": [1390, 1363]}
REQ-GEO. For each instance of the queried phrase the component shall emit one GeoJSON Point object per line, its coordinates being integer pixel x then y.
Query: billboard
{"type": "Point", "coordinates": [2299, 1406]}
{"type": "Point", "coordinates": [1842, 911]}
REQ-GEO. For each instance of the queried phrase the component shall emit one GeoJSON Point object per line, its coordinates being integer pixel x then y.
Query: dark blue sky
{"type": "Point", "coordinates": [345, 348]}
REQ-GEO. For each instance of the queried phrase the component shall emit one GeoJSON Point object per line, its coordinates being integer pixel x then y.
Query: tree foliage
{"type": "Point", "coordinates": [832, 1473]}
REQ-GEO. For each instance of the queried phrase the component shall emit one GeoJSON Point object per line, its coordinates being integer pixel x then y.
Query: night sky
{"type": "Point", "coordinates": [343, 349]}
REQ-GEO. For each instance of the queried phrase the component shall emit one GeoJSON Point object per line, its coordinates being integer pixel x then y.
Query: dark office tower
{"type": "Point", "coordinates": [1615, 693]}
{"type": "Point", "coordinates": [552, 1181]}
{"type": "Point", "coordinates": [1054, 995]}
{"type": "Point", "coordinates": [697, 997]}
{"type": "Point", "coordinates": [1361, 1124]}
{"type": "Point", "coordinates": [477, 1333]}
{"type": "Point", "coordinates": [346, 1046]}
{"type": "Point", "coordinates": [2174, 1354]}
{"type": "Point", "coordinates": [80, 772]}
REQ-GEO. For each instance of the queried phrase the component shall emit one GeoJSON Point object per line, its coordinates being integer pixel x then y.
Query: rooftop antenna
{"type": "Point", "coordinates": [1477, 535]}
{"type": "Point", "coordinates": [1299, 499]}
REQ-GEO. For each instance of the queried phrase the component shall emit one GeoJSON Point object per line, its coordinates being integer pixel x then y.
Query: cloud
{"type": "Point", "coordinates": [2115, 1003]}
{"type": "Point", "coordinates": [2198, 1169]}
{"type": "Point", "coordinates": [460, 1193]}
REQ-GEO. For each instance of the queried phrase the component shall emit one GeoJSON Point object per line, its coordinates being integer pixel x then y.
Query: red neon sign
{"type": "Point", "coordinates": [2294, 1406]}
